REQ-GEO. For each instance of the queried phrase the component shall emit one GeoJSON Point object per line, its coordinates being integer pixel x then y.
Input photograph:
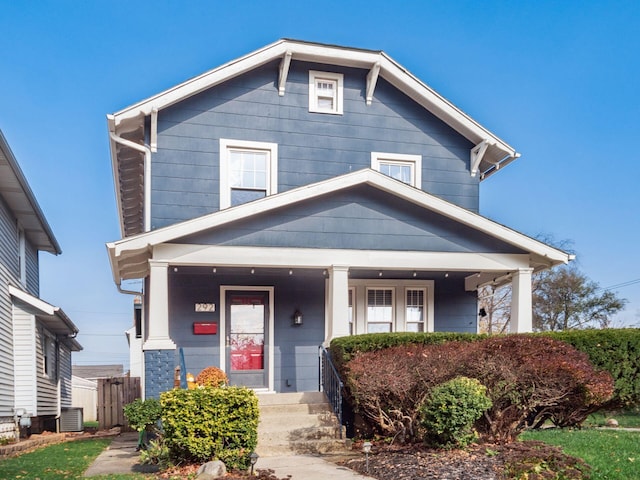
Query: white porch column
{"type": "Point", "coordinates": [521, 305]}
{"type": "Point", "coordinates": [338, 323]}
{"type": "Point", "coordinates": [158, 325]}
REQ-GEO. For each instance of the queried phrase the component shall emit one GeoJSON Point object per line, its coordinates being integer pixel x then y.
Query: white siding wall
{"type": "Point", "coordinates": [24, 348]}
{"type": "Point", "coordinates": [85, 396]}
{"type": "Point", "coordinates": [65, 376]}
{"type": "Point", "coordinates": [8, 276]}
{"type": "Point", "coordinates": [47, 386]}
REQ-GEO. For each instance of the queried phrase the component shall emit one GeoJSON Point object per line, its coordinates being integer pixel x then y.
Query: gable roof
{"type": "Point", "coordinates": [127, 135]}
{"type": "Point", "coordinates": [130, 257]}
{"type": "Point", "coordinates": [16, 192]}
{"type": "Point", "coordinates": [52, 317]}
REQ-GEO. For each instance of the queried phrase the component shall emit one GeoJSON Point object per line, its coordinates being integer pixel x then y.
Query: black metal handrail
{"type": "Point", "coordinates": [331, 384]}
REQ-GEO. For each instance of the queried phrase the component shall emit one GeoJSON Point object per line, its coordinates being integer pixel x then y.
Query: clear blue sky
{"type": "Point", "coordinates": [559, 81]}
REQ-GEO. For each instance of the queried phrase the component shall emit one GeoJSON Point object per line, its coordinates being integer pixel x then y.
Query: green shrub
{"type": "Point", "coordinates": [616, 351]}
{"type": "Point", "coordinates": [142, 414]}
{"type": "Point", "coordinates": [157, 453]}
{"type": "Point", "coordinates": [449, 412]}
{"type": "Point", "coordinates": [209, 423]}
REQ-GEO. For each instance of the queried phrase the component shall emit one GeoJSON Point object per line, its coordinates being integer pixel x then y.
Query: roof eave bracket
{"type": "Point", "coordinates": [476, 155]}
{"type": "Point", "coordinates": [284, 72]}
{"type": "Point", "coordinates": [372, 79]}
{"type": "Point", "coordinates": [153, 134]}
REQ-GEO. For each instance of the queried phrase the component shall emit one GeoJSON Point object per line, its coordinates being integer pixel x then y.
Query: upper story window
{"type": "Point", "coordinates": [248, 171]}
{"type": "Point", "coordinates": [403, 167]}
{"type": "Point", "coordinates": [325, 92]}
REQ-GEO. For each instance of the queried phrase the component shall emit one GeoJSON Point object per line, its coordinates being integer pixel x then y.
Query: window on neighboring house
{"type": "Point", "coordinates": [379, 310]}
{"type": "Point", "coordinates": [248, 171]}
{"type": "Point", "coordinates": [22, 256]}
{"type": "Point", "coordinates": [403, 167]}
{"type": "Point", "coordinates": [49, 355]}
{"type": "Point", "coordinates": [414, 314]}
{"type": "Point", "coordinates": [325, 92]}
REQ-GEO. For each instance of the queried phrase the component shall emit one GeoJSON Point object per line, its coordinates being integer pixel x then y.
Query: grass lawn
{"type": "Point", "coordinates": [612, 454]}
{"type": "Point", "coordinates": [67, 460]}
{"type": "Point", "coordinates": [626, 418]}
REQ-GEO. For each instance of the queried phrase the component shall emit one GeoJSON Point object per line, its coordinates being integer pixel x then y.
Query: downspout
{"type": "Point", "coordinates": [147, 173]}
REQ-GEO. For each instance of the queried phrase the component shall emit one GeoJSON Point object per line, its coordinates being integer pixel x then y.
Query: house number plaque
{"type": "Point", "coordinates": [205, 307]}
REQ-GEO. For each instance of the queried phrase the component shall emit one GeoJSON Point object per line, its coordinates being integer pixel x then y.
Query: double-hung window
{"type": "Point", "coordinates": [380, 309]}
{"type": "Point", "coordinates": [415, 309]}
{"type": "Point", "coordinates": [248, 171]}
{"type": "Point", "coordinates": [325, 92]}
{"type": "Point", "coordinates": [394, 305]}
{"type": "Point", "coordinates": [403, 167]}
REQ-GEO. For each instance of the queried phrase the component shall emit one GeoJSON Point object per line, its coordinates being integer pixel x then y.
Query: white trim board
{"type": "Point", "coordinates": [138, 249]}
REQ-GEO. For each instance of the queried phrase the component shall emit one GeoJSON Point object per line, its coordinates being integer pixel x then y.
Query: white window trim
{"type": "Point", "coordinates": [394, 303]}
{"type": "Point", "coordinates": [272, 174]}
{"type": "Point", "coordinates": [400, 287]}
{"type": "Point", "coordinates": [401, 159]}
{"type": "Point", "coordinates": [425, 291]}
{"type": "Point", "coordinates": [270, 327]}
{"type": "Point", "coordinates": [313, 97]}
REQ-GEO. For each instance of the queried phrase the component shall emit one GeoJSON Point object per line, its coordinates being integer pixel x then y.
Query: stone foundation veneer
{"type": "Point", "coordinates": [158, 372]}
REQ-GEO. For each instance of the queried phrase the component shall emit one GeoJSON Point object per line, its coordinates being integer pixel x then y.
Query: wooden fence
{"type": "Point", "coordinates": [113, 394]}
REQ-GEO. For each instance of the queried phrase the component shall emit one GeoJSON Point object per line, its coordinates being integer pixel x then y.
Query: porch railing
{"type": "Point", "coordinates": [331, 384]}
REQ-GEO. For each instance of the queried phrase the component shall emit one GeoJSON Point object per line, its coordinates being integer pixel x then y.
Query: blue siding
{"type": "Point", "coordinates": [358, 218]}
{"type": "Point", "coordinates": [295, 348]}
{"type": "Point", "coordinates": [158, 372]}
{"type": "Point", "coordinates": [312, 147]}
{"type": "Point", "coordinates": [455, 310]}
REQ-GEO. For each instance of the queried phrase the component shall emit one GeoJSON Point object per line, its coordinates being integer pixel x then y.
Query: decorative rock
{"type": "Point", "coordinates": [611, 422]}
{"type": "Point", "coordinates": [211, 470]}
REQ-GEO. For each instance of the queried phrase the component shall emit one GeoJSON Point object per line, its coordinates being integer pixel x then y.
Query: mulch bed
{"type": "Point", "coordinates": [415, 462]}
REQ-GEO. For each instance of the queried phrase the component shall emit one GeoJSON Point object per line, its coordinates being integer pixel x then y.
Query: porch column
{"type": "Point", "coordinates": [521, 305]}
{"type": "Point", "coordinates": [158, 323]}
{"type": "Point", "coordinates": [338, 324]}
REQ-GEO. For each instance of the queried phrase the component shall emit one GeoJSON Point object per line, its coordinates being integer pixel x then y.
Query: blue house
{"type": "Point", "coordinates": [301, 193]}
{"type": "Point", "coordinates": [36, 338]}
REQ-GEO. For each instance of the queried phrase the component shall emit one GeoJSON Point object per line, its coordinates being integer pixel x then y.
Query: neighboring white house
{"type": "Point", "coordinates": [36, 338]}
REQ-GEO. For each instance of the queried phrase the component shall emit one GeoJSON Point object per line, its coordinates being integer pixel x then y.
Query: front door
{"type": "Point", "coordinates": [247, 315]}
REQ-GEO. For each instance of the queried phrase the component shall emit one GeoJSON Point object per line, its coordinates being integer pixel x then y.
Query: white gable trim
{"type": "Point", "coordinates": [138, 249]}
{"type": "Point", "coordinates": [379, 64]}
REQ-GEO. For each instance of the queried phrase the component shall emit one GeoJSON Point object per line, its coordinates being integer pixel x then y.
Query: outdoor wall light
{"type": "Point", "coordinates": [482, 312]}
{"type": "Point", "coordinates": [297, 317]}
{"type": "Point", "coordinates": [366, 448]}
{"type": "Point", "coordinates": [253, 458]}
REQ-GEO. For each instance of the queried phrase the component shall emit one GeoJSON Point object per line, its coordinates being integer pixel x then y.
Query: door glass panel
{"type": "Point", "coordinates": [246, 336]}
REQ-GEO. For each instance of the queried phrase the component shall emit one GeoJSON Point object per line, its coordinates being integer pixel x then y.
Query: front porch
{"type": "Point", "coordinates": [334, 300]}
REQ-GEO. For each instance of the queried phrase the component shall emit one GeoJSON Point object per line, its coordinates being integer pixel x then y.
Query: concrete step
{"type": "Point", "coordinates": [306, 447]}
{"type": "Point", "coordinates": [297, 423]}
{"type": "Point", "coordinates": [291, 398]}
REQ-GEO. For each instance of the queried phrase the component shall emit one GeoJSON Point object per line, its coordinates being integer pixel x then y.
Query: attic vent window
{"type": "Point", "coordinates": [403, 167]}
{"type": "Point", "coordinates": [325, 92]}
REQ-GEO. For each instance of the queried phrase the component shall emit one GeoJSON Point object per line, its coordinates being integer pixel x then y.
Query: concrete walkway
{"type": "Point", "coordinates": [307, 467]}
{"type": "Point", "coordinates": [121, 458]}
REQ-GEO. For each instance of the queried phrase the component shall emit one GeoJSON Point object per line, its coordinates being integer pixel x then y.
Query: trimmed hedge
{"type": "Point", "coordinates": [209, 423]}
{"type": "Point", "coordinates": [615, 350]}
{"type": "Point", "coordinates": [344, 348]}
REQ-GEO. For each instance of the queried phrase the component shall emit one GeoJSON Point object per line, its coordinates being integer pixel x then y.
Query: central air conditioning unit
{"type": "Point", "coordinates": [71, 420]}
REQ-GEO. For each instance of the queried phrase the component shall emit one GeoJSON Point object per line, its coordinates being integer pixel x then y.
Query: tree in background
{"type": "Point", "coordinates": [565, 299]}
